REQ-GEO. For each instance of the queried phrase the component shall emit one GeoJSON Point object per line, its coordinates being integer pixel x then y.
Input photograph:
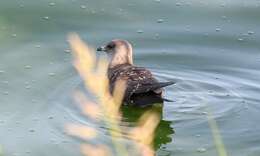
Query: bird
{"type": "Point", "coordinates": [142, 88]}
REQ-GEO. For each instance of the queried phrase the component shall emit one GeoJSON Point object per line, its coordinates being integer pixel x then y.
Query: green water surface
{"type": "Point", "coordinates": [210, 48]}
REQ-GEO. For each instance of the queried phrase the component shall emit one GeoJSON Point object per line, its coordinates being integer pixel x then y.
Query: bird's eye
{"type": "Point", "coordinates": [111, 46]}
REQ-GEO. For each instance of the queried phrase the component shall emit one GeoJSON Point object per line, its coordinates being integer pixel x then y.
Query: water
{"type": "Point", "coordinates": [210, 48]}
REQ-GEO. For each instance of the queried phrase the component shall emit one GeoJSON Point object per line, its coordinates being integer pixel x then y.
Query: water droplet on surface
{"type": "Point", "coordinates": [52, 4]}
{"type": "Point", "coordinates": [51, 74]}
{"type": "Point", "coordinates": [198, 135]}
{"type": "Point", "coordinates": [38, 46]}
{"type": "Point", "coordinates": [224, 17]}
{"type": "Point", "coordinates": [156, 36]}
{"type": "Point", "coordinates": [14, 35]}
{"type": "Point", "coordinates": [83, 7]}
{"type": "Point", "coordinates": [160, 21]}
{"type": "Point", "coordinates": [250, 32]}
{"type": "Point", "coordinates": [178, 4]}
{"type": "Point", "coordinates": [6, 93]}
{"type": "Point", "coordinates": [31, 130]}
{"type": "Point", "coordinates": [36, 119]}
{"type": "Point", "coordinates": [1, 71]}
{"type": "Point", "coordinates": [102, 10]}
{"type": "Point", "coordinates": [5, 82]}
{"type": "Point", "coordinates": [28, 87]}
{"type": "Point", "coordinates": [27, 67]}
{"type": "Point", "coordinates": [240, 39]}
{"type": "Point", "coordinates": [204, 113]}
{"type": "Point", "coordinates": [201, 150]}
{"type": "Point", "coordinates": [67, 50]}
{"type": "Point", "coordinates": [223, 4]}
{"type": "Point", "coordinates": [50, 117]}
{"type": "Point", "coordinates": [157, 1]}
{"type": "Point", "coordinates": [140, 31]}
{"type": "Point", "coordinates": [218, 29]}
{"type": "Point", "coordinates": [46, 18]}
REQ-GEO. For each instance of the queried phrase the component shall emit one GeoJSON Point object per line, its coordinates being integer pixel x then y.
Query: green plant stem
{"type": "Point", "coordinates": [216, 135]}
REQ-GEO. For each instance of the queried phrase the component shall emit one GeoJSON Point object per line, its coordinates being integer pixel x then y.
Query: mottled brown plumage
{"type": "Point", "coordinates": [142, 88]}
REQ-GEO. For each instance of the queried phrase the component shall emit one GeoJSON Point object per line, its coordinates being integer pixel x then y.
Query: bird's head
{"type": "Point", "coordinates": [119, 52]}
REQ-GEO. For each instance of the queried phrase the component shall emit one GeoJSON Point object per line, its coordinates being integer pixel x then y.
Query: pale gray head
{"type": "Point", "coordinates": [119, 52]}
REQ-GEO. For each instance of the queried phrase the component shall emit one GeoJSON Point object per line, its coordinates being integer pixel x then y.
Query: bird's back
{"type": "Point", "coordinates": [142, 88]}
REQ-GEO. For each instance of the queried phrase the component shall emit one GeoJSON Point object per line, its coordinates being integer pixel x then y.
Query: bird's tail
{"type": "Point", "coordinates": [161, 85]}
{"type": "Point", "coordinates": [167, 100]}
{"type": "Point", "coordinates": [164, 84]}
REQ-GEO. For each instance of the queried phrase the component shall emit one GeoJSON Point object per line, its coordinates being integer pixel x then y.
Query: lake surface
{"type": "Point", "coordinates": [210, 48]}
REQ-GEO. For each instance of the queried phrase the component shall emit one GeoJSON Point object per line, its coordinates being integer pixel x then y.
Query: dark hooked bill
{"type": "Point", "coordinates": [101, 48]}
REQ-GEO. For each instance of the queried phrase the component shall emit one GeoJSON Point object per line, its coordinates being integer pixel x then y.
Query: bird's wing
{"type": "Point", "coordinates": [139, 80]}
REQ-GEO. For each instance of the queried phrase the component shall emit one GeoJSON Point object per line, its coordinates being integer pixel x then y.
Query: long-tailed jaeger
{"type": "Point", "coordinates": [142, 89]}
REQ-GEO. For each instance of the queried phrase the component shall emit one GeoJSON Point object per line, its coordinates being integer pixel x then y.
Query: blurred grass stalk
{"type": "Point", "coordinates": [1, 151]}
{"type": "Point", "coordinates": [94, 75]}
{"type": "Point", "coordinates": [216, 135]}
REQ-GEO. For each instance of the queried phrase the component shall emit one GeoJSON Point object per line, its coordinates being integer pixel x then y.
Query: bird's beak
{"type": "Point", "coordinates": [102, 48]}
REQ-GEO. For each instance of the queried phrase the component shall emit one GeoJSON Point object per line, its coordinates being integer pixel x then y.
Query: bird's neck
{"type": "Point", "coordinates": [120, 58]}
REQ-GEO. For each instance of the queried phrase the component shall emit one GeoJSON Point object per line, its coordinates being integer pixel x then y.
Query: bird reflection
{"type": "Point", "coordinates": [164, 131]}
